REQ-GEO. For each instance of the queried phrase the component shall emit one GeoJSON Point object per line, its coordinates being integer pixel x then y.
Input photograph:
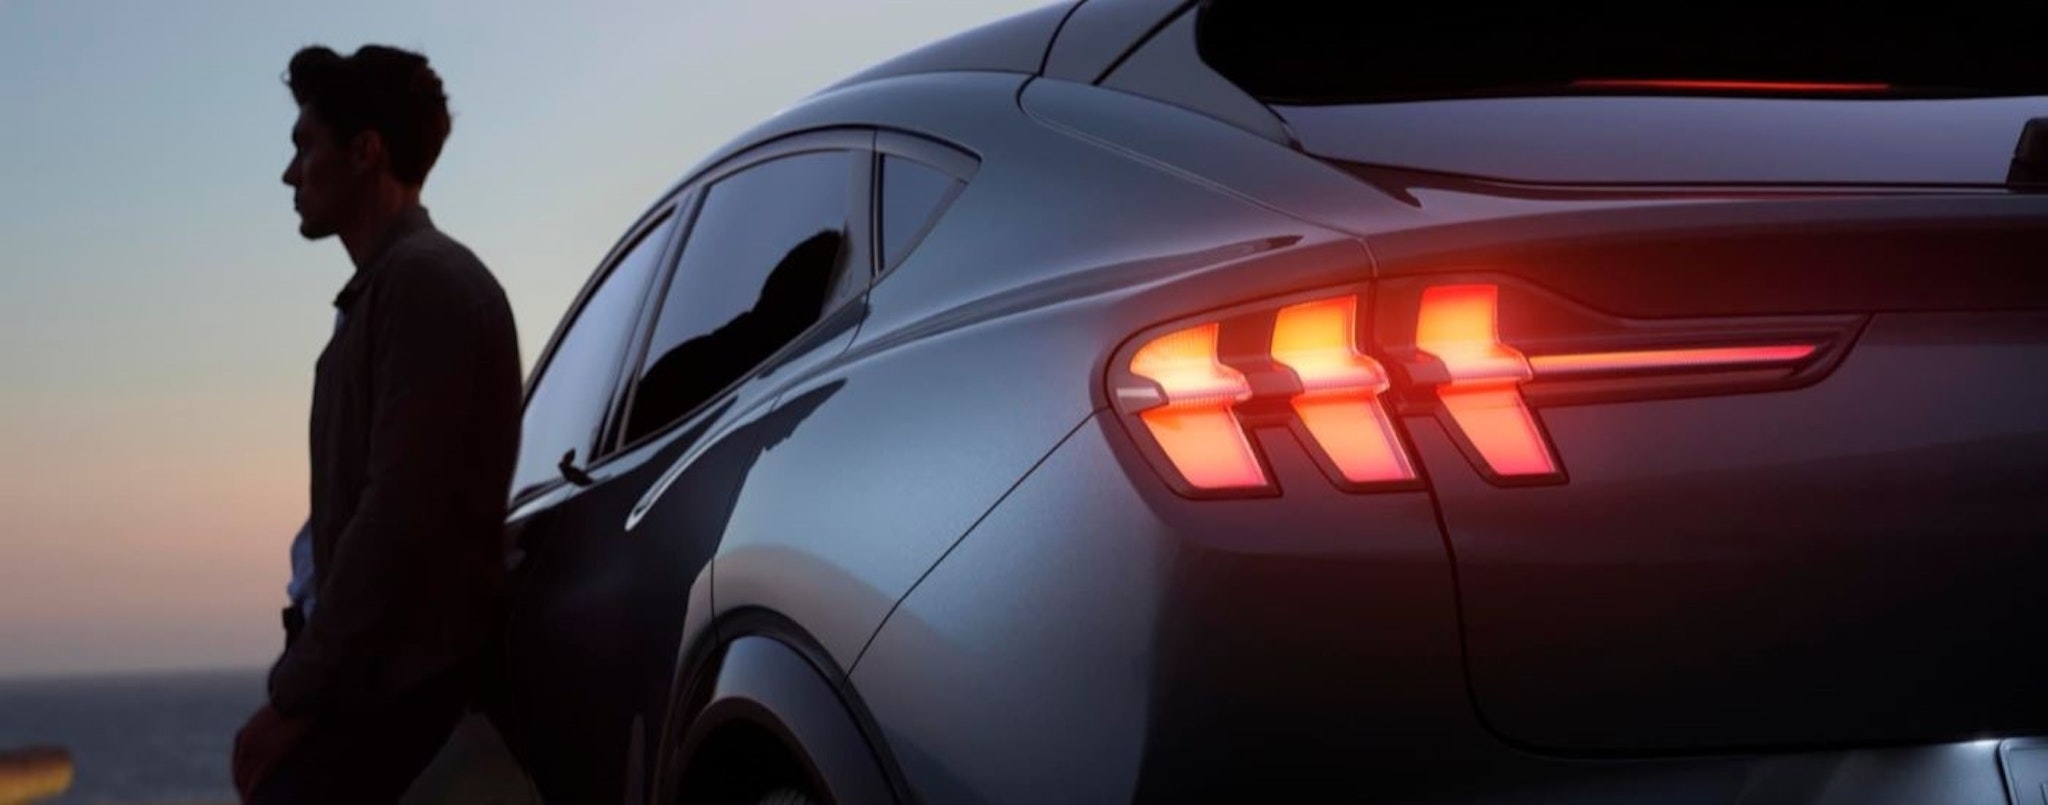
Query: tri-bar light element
{"type": "Point", "coordinates": [1458, 325]}
{"type": "Point", "coordinates": [1196, 426]}
{"type": "Point", "coordinates": [1600, 363]}
{"type": "Point", "coordinates": [1196, 409]}
{"type": "Point", "coordinates": [1341, 387]}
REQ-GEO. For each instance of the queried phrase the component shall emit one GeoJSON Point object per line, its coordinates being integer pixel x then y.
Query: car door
{"type": "Point", "coordinates": [570, 406]}
{"type": "Point", "coordinates": [765, 277]}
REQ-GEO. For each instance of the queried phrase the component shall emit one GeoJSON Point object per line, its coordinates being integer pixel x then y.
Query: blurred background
{"type": "Point", "coordinates": [159, 314]}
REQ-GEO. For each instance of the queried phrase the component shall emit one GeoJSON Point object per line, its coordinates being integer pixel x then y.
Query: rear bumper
{"type": "Point", "coordinates": [1096, 638]}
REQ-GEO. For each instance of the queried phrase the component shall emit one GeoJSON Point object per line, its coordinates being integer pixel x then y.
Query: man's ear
{"type": "Point", "coordinates": [366, 152]}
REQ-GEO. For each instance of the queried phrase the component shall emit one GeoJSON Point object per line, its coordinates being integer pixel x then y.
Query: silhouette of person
{"type": "Point", "coordinates": [414, 432]}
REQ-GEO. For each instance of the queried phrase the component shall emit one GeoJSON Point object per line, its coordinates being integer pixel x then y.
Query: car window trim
{"type": "Point", "coordinates": [948, 158]}
{"type": "Point", "coordinates": [863, 204]}
{"type": "Point", "coordinates": [657, 215]}
{"type": "Point", "coordinates": [916, 237]}
{"type": "Point", "coordinates": [945, 158]}
{"type": "Point", "coordinates": [644, 321]}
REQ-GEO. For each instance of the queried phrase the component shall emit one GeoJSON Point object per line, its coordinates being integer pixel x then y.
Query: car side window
{"type": "Point", "coordinates": [913, 194]}
{"type": "Point", "coordinates": [566, 407]}
{"type": "Point", "coordinates": [757, 271]}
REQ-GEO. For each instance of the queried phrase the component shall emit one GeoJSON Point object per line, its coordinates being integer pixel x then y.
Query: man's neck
{"type": "Point", "coordinates": [364, 236]}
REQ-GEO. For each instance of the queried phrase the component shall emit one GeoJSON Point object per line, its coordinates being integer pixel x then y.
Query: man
{"type": "Point", "coordinates": [415, 425]}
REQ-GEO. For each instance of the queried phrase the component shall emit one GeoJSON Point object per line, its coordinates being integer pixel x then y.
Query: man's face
{"type": "Point", "coordinates": [323, 176]}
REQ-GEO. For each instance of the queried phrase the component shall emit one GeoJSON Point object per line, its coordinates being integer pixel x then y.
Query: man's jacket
{"type": "Point", "coordinates": [415, 430]}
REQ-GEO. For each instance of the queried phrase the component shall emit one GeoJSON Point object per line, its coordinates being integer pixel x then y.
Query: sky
{"type": "Point", "coordinates": [160, 315]}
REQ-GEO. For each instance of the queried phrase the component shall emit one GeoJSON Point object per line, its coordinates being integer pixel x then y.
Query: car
{"type": "Point", "coordinates": [1164, 401]}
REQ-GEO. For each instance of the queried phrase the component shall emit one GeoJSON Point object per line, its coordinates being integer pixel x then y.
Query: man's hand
{"type": "Point", "coordinates": [262, 742]}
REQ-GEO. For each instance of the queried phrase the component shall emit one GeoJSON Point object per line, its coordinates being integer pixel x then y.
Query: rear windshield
{"type": "Point", "coordinates": [1315, 52]}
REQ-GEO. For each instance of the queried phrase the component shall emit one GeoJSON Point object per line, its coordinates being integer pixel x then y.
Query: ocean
{"type": "Point", "coordinates": [151, 739]}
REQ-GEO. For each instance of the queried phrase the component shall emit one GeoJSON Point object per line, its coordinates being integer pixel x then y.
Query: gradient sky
{"type": "Point", "coordinates": [160, 314]}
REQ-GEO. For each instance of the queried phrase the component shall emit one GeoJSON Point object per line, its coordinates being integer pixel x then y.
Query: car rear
{"type": "Point", "coordinates": [1711, 477]}
{"type": "Point", "coordinates": [1674, 434]}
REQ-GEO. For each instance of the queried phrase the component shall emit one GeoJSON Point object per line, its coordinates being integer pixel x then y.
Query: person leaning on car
{"type": "Point", "coordinates": [398, 575]}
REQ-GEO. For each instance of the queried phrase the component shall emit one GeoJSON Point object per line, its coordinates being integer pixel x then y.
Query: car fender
{"type": "Point", "coordinates": [756, 668]}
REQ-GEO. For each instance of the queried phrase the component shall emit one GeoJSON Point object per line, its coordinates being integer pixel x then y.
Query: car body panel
{"type": "Point", "coordinates": [923, 104]}
{"type": "Point", "coordinates": [1255, 648]}
{"type": "Point", "coordinates": [1166, 67]}
{"type": "Point", "coordinates": [593, 602]}
{"type": "Point", "coordinates": [1048, 695]}
{"type": "Point", "coordinates": [1016, 44]}
{"type": "Point", "coordinates": [1860, 564]}
{"type": "Point", "coordinates": [1719, 254]}
{"type": "Point", "coordinates": [1099, 33]}
{"type": "Point", "coordinates": [1268, 173]}
{"type": "Point", "coordinates": [767, 683]}
{"type": "Point", "coordinates": [1803, 584]}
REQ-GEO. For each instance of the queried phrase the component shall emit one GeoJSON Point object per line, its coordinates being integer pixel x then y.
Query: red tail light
{"type": "Point", "coordinates": [1458, 326]}
{"type": "Point", "coordinates": [1340, 400]}
{"type": "Point", "coordinates": [1596, 363]}
{"type": "Point", "coordinates": [1195, 425]}
{"type": "Point", "coordinates": [1198, 391]}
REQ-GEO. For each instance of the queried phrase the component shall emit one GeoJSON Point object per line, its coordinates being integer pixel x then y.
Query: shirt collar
{"type": "Point", "coordinates": [408, 221]}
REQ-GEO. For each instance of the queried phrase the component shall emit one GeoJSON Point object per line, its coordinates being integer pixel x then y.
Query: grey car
{"type": "Point", "coordinates": [1167, 401]}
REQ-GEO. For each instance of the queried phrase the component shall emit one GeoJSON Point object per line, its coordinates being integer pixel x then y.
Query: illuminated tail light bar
{"type": "Point", "coordinates": [1601, 363]}
{"type": "Point", "coordinates": [1459, 326]}
{"type": "Point", "coordinates": [1340, 400]}
{"type": "Point", "coordinates": [1195, 393]}
{"type": "Point", "coordinates": [1194, 423]}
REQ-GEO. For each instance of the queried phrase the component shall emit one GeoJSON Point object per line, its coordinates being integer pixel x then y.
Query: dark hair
{"type": "Point", "coordinates": [382, 89]}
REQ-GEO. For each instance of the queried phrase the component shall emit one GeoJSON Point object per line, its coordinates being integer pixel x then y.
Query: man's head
{"type": "Point", "coordinates": [369, 124]}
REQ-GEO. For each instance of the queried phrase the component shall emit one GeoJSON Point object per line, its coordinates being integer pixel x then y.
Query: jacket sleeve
{"type": "Point", "coordinates": [425, 348]}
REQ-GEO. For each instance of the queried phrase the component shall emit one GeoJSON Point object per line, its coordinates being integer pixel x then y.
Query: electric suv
{"type": "Point", "coordinates": [1156, 400]}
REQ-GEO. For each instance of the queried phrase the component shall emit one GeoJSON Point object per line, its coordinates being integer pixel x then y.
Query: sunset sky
{"type": "Point", "coordinates": [160, 314]}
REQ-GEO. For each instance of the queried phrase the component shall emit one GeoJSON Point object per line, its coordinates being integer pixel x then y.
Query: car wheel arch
{"type": "Point", "coordinates": [754, 669]}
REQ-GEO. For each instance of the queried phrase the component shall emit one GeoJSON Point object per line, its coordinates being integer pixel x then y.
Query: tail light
{"type": "Point", "coordinates": [1195, 392]}
{"type": "Point", "coordinates": [1193, 422]}
{"type": "Point", "coordinates": [1480, 391]}
{"type": "Point", "coordinates": [1339, 404]}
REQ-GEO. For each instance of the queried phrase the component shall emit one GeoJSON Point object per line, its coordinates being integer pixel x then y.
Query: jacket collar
{"type": "Point", "coordinates": [407, 222]}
